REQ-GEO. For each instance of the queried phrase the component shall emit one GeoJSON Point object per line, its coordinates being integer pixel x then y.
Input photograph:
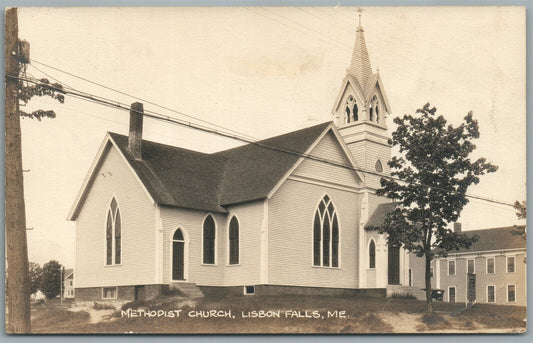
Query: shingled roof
{"type": "Point", "coordinates": [501, 238]}
{"type": "Point", "coordinates": [378, 216]}
{"type": "Point", "coordinates": [189, 179]}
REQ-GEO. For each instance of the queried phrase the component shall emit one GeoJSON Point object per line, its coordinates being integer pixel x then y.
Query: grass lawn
{"type": "Point", "coordinates": [288, 314]}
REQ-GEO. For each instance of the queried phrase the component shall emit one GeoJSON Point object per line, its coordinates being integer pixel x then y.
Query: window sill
{"type": "Point", "coordinates": [233, 265]}
{"type": "Point", "coordinates": [326, 267]}
{"type": "Point", "coordinates": [209, 264]}
{"type": "Point", "coordinates": [112, 265]}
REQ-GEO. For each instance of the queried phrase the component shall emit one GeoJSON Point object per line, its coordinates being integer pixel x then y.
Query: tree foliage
{"type": "Point", "coordinates": [43, 88]}
{"type": "Point", "coordinates": [35, 277]}
{"type": "Point", "coordinates": [51, 279]}
{"type": "Point", "coordinates": [435, 172]}
{"type": "Point", "coordinates": [521, 213]}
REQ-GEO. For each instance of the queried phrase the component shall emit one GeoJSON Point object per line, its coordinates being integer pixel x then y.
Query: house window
{"type": "Point", "coordinates": [70, 283]}
{"type": "Point", "coordinates": [451, 294]}
{"type": "Point", "coordinates": [209, 240]}
{"type": "Point", "coordinates": [451, 268]}
{"type": "Point", "coordinates": [510, 264]}
{"type": "Point", "coordinates": [234, 241]}
{"type": "Point", "coordinates": [491, 294]}
{"type": "Point", "coordinates": [326, 235]}
{"type": "Point", "coordinates": [113, 234]}
{"type": "Point", "coordinates": [109, 293]}
{"type": "Point", "coordinates": [372, 254]}
{"type": "Point", "coordinates": [511, 293]}
{"type": "Point", "coordinates": [430, 271]}
{"type": "Point", "coordinates": [490, 265]}
{"type": "Point", "coordinates": [470, 266]}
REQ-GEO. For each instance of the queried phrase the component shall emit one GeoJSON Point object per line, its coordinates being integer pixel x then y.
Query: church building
{"type": "Point", "coordinates": [285, 215]}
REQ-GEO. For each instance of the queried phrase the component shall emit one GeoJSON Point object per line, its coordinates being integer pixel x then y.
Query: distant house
{"type": "Point", "coordinates": [68, 284]}
{"type": "Point", "coordinates": [498, 261]}
{"type": "Point", "coordinates": [283, 215]}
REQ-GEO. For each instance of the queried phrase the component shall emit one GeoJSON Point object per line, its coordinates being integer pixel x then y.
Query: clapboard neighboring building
{"type": "Point", "coordinates": [256, 219]}
{"type": "Point", "coordinates": [497, 259]}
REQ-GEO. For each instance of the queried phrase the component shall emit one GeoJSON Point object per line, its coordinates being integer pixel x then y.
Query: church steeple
{"type": "Point", "coordinates": [361, 111]}
{"type": "Point", "coordinates": [360, 66]}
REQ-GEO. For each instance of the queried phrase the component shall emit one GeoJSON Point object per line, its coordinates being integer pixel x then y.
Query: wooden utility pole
{"type": "Point", "coordinates": [18, 281]}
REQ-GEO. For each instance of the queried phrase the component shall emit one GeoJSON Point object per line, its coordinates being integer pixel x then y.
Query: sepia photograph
{"type": "Point", "coordinates": [265, 170]}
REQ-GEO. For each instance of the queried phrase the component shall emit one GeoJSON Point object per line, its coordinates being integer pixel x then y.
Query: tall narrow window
{"type": "Point", "coordinates": [113, 234]}
{"type": "Point", "coordinates": [510, 264]}
{"type": "Point", "coordinates": [451, 268]}
{"type": "Point", "coordinates": [372, 254]}
{"type": "Point", "coordinates": [234, 241]}
{"type": "Point", "coordinates": [511, 293]}
{"type": "Point", "coordinates": [326, 235]}
{"type": "Point", "coordinates": [491, 294]}
{"type": "Point", "coordinates": [379, 166]}
{"type": "Point", "coordinates": [209, 240]}
{"type": "Point", "coordinates": [470, 266]}
{"type": "Point", "coordinates": [490, 265]}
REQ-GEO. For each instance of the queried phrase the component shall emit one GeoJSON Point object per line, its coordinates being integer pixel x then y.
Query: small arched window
{"type": "Point", "coordinates": [326, 235]}
{"type": "Point", "coordinates": [372, 254]}
{"type": "Point", "coordinates": [209, 240]}
{"type": "Point", "coordinates": [234, 241]}
{"type": "Point", "coordinates": [351, 111]}
{"type": "Point", "coordinates": [379, 166]}
{"type": "Point", "coordinates": [113, 234]}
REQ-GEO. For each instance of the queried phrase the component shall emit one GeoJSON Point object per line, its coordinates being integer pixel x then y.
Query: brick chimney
{"type": "Point", "coordinates": [136, 130]}
{"type": "Point", "coordinates": [457, 227]}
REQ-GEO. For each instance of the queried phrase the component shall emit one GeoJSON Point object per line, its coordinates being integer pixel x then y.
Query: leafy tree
{"type": "Point", "coordinates": [521, 213]}
{"type": "Point", "coordinates": [435, 172]}
{"type": "Point", "coordinates": [35, 277]}
{"type": "Point", "coordinates": [51, 279]}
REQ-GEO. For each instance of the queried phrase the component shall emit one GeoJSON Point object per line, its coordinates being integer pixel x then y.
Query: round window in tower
{"type": "Point", "coordinates": [379, 166]}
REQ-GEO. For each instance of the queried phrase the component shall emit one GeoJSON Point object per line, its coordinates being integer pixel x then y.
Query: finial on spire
{"type": "Point", "coordinates": [360, 11]}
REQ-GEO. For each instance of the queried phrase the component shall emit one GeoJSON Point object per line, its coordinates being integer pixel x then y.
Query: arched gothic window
{"type": "Point", "coordinates": [113, 234]}
{"type": "Point", "coordinates": [209, 240]}
{"type": "Point", "coordinates": [372, 254]}
{"type": "Point", "coordinates": [234, 241]}
{"type": "Point", "coordinates": [326, 235]}
{"type": "Point", "coordinates": [351, 110]}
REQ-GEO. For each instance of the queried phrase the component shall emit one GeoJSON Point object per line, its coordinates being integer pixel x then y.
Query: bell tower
{"type": "Point", "coordinates": [360, 113]}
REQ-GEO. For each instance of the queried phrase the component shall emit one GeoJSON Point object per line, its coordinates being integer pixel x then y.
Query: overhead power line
{"type": "Point", "coordinates": [159, 116]}
{"type": "Point", "coordinates": [138, 98]}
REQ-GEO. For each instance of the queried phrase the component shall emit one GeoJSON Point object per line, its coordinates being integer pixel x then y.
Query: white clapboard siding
{"type": "Point", "coordinates": [291, 212]}
{"type": "Point", "coordinates": [366, 153]}
{"type": "Point", "coordinates": [328, 148]}
{"type": "Point", "coordinates": [114, 178]}
{"type": "Point", "coordinates": [191, 222]}
{"type": "Point", "coordinates": [250, 216]}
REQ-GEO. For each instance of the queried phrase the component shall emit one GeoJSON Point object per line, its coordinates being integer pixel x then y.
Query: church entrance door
{"type": "Point", "coordinates": [394, 265]}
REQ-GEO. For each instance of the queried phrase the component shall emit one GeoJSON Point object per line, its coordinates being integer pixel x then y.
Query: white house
{"type": "Point", "coordinates": [284, 215]}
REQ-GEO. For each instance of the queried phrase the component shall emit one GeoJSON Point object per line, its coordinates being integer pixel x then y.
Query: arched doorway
{"type": "Point", "coordinates": [394, 265]}
{"type": "Point", "coordinates": [178, 256]}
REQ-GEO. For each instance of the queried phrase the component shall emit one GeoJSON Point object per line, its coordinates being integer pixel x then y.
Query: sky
{"type": "Point", "coordinates": [262, 72]}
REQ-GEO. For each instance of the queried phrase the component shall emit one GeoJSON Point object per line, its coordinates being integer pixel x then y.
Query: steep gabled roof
{"type": "Point", "coordinates": [175, 176]}
{"type": "Point", "coordinates": [253, 170]}
{"type": "Point", "coordinates": [184, 178]}
{"type": "Point", "coordinates": [501, 238]}
{"type": "Point", "coordinates": [380, 213]}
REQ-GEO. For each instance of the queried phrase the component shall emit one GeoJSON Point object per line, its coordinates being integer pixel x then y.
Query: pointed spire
{"type": "Point", "coordinates": [360, 64]}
